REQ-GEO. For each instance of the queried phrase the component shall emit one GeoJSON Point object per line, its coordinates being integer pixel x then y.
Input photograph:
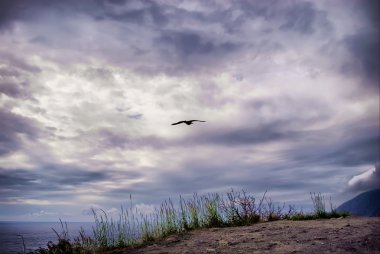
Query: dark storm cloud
{"type": "Point", "coordinates": [20, 10]}
{"type": "Point", "coordinates": [364, 48]}
{"type": "Point", "coordinates": [14, 74]}
{"type": "Point", "coordinates": [357, 146]}
{"type": "Point", "coordinates": [265, 121]}
{"type": "Point", "coordinates": [9, 10]}
{"type": "Point", "coordinates": [302, 17]}
{"type": "Point", "coordinates": [121, 11]}
{"type": "Point", "coordinates": [355, 153]}
{"type": "Point", "coordinates": [150, 12]}
{"type": "Point", "coordinates": [204, 176]}
{"type": "Point", "coordinates": [168, 47]}
{"type": "Point", "coordinates": [11, 126]}
{"type": "Point", "coordinates": [13, 89]}
{"type": "Point", "coordinates": [219, 136]}
{"type": "Point", "coordinates": [70, 175]}
{"type": "Point", "coordinates": [112, 139]}
{"type": "Point", "coordinates": [47, 178]}
{"type": "Point", "coordinates": [244, 135]}
{"type": "Point", "coordinates": [298, 16]}
{"type": "Point", "coordinates": [363, 44]}
{"type": "Point", "coordinates": [190, 43]}
{"type": "Point", "coordinates": [16, 178]}
{"type": "Point", "coordinates": [53, 178]}
{"type": "Point", "coordinates": [370, 10]}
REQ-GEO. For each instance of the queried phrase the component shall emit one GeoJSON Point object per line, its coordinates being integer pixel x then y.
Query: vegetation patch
{"type": "Point", "coordinates": [133, 229]}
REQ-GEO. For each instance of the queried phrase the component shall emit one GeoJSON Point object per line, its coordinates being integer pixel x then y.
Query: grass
{"type": "Point", "coordinates": [133, 229]}
{"type": "Point", "coordinates": [320, 212]}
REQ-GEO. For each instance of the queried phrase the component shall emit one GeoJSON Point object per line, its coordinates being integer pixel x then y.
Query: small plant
{"type": "Point", "coordinates": [319, 210]}
{"type": "Point", "coordinates": [241, 209]}
{"type": "Point", "coordinates": [319, 205]}
{"type": "Point", "coordinates": [274, 212]}
{"type": "Point", "coordinates": [213, 217]}
{"type": "Point", "coordinates": [193, 210]}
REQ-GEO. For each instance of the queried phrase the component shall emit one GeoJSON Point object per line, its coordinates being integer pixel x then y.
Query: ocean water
{"type": "Point", "coordinates": [35, 234]}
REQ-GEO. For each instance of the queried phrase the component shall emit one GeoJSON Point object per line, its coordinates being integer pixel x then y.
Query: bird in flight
{"type": "Point", "coordinates": [188, 122]}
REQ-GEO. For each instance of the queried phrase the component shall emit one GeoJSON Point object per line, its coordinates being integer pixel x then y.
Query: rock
{"type": "Point", "coordinates": [223, 242]}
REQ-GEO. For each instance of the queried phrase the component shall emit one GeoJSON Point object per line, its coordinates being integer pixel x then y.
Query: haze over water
{"type": "Point", "coordinates": [35, 234]}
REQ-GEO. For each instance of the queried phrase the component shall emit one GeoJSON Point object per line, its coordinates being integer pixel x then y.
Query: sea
{"type": "Point", "coordinates": [15, 236]}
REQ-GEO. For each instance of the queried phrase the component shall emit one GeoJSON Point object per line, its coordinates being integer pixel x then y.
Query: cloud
{"type": "Point", "coordinates": [13, 63]}
{"type": "Point", "coordinates": [242, 135]}
{"type": "Point", "coordinates": [15, 76]}
{"type": "Point", "coordinates": [53, 184]}
{"type": "Point", "coordinates": [304, 17]}
{"type": "Point", "coordinates": [8, 12]}
{"type": "Point", "coordinates": [349, 147]}
{"type": "Point", "coordinates": [16, 178]}
{"type": "Point", "coordinates": [188, 44]}
{"type": "Point", "coordinates": [139, 12]}
{"type": "Point", "coordinates": [13, 129]}
{"type": "Point", "coordinates": [363, 47]}
{"type": "Point", "coordinates": [42, 213]}
{"type": "Point", "coordinates": [367, 180]}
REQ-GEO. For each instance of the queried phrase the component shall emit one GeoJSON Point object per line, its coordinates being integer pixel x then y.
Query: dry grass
{"type": "Point", "coordinates": [132, 229]}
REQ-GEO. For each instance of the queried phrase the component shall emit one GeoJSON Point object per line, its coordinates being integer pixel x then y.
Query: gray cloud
{"type": "Point", "coordinates": [13, 89]}
{"type": "Point", "coordinates": [298, 16]}
{"type": "Point", "coordinates": [364, 48]}
{"type": "Point", "coordinates": [363, 44]}
{"type": "Point", "coordinates": [356, 146]}
{"type": "Point", "coordinates": [121, 11]}
{"type": "Point", "coordinates": [11, 125]}
{"type": "Point", "coordinates": [16, 178]}
{"type": "Point", "coordinates": [15, 74]}
{"type": "Point", "coordinates": [149, 12]}
{"type": "Point", "coordinates": [203, 176]}
{"type": "Point", "coordinates": [305, 18]}
{"type": "Point", "coordinates": [112, 139]}
{"type": "Point", "coordinates": [355, 152]}
{"type": "Point", "coordinates": [188, 43]}
{"type": "Point", "coordinates": [8, 12]}
{"type": "Point", "coordinates": [243, 135]}
{"type": "Point", "coordinates": [16, 63]}
{"type": "Point", "coordinates": [47, 178]}
{"type": "Point", "coordinates": [54, 182]}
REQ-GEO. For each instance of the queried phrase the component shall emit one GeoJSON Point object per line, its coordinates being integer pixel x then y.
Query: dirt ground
{"type": "Point", "coordinates": [348, 235]}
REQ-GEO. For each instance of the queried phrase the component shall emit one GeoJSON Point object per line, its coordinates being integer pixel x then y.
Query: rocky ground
{"type": "Point", "coordinates": [348, 235]}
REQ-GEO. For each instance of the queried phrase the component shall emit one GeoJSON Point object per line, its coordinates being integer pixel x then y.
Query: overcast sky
{"type": "Point", "coordinates": [89, 89]}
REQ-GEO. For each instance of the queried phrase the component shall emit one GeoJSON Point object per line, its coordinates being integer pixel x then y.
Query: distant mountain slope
{"type": "Point", "coordinates": [365, 204]}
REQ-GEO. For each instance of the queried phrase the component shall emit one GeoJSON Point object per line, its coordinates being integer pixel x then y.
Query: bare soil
{"type": "Point", "coordinates": [342, 235]}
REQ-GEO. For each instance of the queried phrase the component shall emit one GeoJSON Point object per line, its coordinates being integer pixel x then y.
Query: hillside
{"type": "Point", "coordinates": [349, 235]}
{"type": "Point", "coordinates": [365, 204]}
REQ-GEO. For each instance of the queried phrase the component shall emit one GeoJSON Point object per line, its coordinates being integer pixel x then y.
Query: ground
{"type": "Point", "coordinates": [342, 235]}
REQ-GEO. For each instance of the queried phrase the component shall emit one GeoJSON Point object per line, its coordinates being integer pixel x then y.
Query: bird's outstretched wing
{"type": "Point", "coordinates": [196, 121]}
{"type": "Point", "coordinates": [178, 122]}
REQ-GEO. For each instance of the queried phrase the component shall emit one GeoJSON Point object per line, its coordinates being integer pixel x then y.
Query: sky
{"type": "Point", "coordinates": [89, 89]}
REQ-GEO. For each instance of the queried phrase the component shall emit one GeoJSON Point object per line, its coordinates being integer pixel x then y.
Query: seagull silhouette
{"type": "Point", "coordinates": [188, 122]}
